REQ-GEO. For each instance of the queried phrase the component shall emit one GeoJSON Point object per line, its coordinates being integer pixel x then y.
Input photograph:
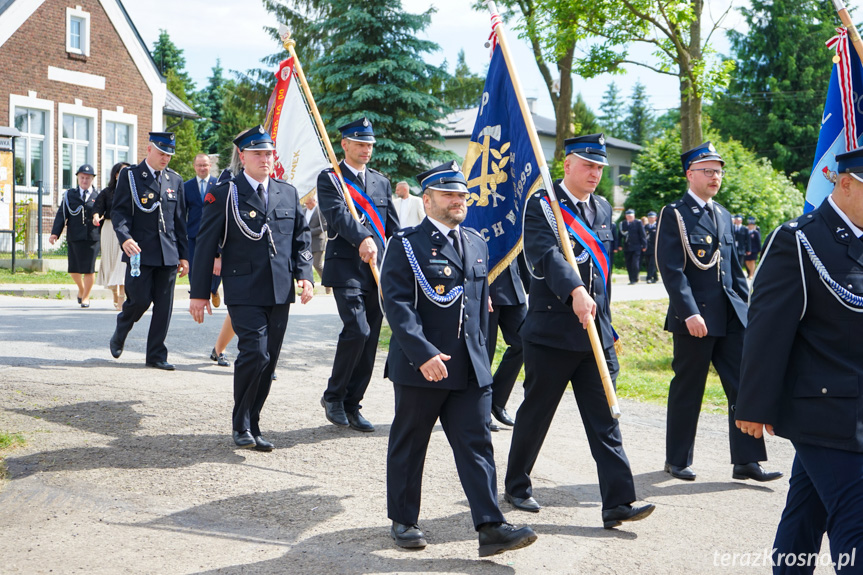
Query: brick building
{"type": "Point", "coordinates": [80, 85]}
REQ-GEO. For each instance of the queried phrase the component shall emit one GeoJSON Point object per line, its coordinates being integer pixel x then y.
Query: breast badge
{"type": "Point", "coordinates": [438, 289]}
{"type": "Point", "coordinates": [701, 253]}
{"type": "Point", "coordinates": [447, 271]}
{"type": "Point", "coordinates": [709, 239]}
{"type": "Point", "coordinates": [253, 213]}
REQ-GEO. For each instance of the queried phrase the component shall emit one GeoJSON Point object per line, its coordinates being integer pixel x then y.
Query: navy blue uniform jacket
{"type": "Point", "coordinates": [344, 268]}
{"type": "Point", "coordinates": [802, 363]}
{"type": "Point", "coordinates": [550, 320]}
{"type": "Point", "coordinates": [195, 204]}
{"type": "Point", "coordinates": [253, 274]}
{"type": "Point", "coordinates": [160, 245]}
{"type": "Point", "coordinates": [79, 228]}
{"type": "Point", "coordinates": [691, 290]}
{"type": "Point", "coordinates": [421, 328]}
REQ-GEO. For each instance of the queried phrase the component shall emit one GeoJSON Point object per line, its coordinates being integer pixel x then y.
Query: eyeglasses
{"type": "Point", "coordinates": [710, 172]}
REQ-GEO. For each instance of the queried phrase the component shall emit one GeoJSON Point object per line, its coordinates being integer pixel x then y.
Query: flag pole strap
{"type": "Point", "coordinates": [593, 334]}
{"type": "Point", "coordinates": [289, 44]}
{"type": "Point", "coordinates": [845, 17]}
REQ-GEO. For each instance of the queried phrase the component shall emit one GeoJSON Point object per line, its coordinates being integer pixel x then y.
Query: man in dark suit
{"type": "Point", "coordinates": [352, 248]}
{"type": "Point", "coordinates": [438, 363]}
{"type": "Point", "coordinates": [557, 349]}
{"type": "Point", "coordinates": [650, 252]}
{"type": "Point", "coordinates": [707, 310]}
{"type": "Point", "coordinates": [800, 374]}
{"type": "Point", "coordinates": [195, 191]}
{"type": "Point", "coordinates": [509, 306]}
{"type": "Point", "coordinates": [265, 247]}
{"type": "Point", "coordinates": [741, 237]}
{"type": "Point", "coordinates": [149, 215]}
{"type": "Point", "coordinates": [634, 243]}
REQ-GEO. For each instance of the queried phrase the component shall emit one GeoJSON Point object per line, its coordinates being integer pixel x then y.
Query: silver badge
{"type": "Point", "coordinates": [601, 140]}
{"type": "Point", "coordinates": [365, 122]}
{"type": "Point", "coordinates": [261, 129]}
{"type": "Point", "coordinates": [710, 147]}
{"type": "Point", "coordinates": [172, 137]}
{"type": "Point", "coordinates": [454, 166]}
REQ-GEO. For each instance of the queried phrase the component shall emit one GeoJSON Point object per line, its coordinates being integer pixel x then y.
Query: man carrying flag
{"type": "Point", "coordinates": [351, 246]}
{"type": "Point", "coordinates": [557, 349]}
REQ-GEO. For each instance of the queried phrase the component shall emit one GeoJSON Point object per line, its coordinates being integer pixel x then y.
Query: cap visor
{"type": "Point", "coordinates": [261, 146]}
{"type": "Point", "coordinates": [708, 159]}
{"type": "Point", "coordinates": [450, 187]}
{"type": "Point", "coordinates": [594, 158]}
{"type": "Point", "coordinates": [856, 176]}
{"type": "Point", "coordinates": [366, 139]}
{"type": "Point", "coordinates": [164, 149]}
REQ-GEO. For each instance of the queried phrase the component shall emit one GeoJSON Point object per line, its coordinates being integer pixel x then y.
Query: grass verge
{"type": "Point", "coordinates": [8, 442]}
{"type": "Point", "coordinates": [645, 364]}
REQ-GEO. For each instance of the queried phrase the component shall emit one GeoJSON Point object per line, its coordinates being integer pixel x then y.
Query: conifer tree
{"type": "Point", "coordinates": [639, 125]}
{"type": "Point", "coordinates": [611, 112]}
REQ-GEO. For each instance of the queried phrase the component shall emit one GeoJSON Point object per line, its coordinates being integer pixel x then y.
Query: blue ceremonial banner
{"type": "Point", "coordinates": [500, 168]}
{"type": "Point", "coordinates": [842, 121]}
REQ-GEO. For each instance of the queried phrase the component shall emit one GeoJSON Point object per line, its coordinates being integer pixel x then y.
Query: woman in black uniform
{"type": "Point", "coordinates": [82, 237]}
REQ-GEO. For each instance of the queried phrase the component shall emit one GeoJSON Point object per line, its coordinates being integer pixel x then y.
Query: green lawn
{"type": "Point", "coordinates": [645, 363]}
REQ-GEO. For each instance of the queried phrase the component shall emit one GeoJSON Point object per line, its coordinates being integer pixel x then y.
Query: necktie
{"type": "Point", "coordinates": [202, 187]}
{"type": "Point", "coordinates": [453, 235]}
{"type": "Point", "coordinates": [83, 196]}
{"type": "Point", "coordinates": [158, 175]}
{"type": "Point", "coordinates": [361, 176]}
{"type": "Point", "coordinates": [582, 212]}
{"type": "Point", "coordinates": [709, 210]}
{"type": "Point", "coordinates": [261, 194]}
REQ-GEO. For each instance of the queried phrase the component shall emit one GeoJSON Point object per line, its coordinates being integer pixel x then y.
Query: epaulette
{"type": "Point", "coordinates": [473, 231]}
{"type": "Point", "coordinates": [406, 231]}
{"type": "Point", "coordinates": [672, 205]}
{"type": "Point", "coordinates": [599, 198]}
{"type": "Point", "coordinates": [279, 180]}
{"type": "Point", "coordinates": [799, 222]}
{"type": "Point", "coordinates": [372, 170]}
{"type": "Point", "coordinates": [172, 171]}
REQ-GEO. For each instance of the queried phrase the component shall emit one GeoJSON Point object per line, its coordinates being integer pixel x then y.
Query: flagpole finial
{"type": "Point", "coordinates": [285, 35]}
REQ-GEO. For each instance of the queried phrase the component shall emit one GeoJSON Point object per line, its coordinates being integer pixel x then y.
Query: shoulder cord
{"type": "Point", "coordinates": [846, 298]}
{"type": "Point", "coordinates": [233, 200]}
{"type": "Point", "coordinates": [69, 212]}
{"type": "Point", "coordinates": [137, 202]}
{"type": "Point", "coordinates": [443, 300]}
{"type": "Point", "coordinates": [687, 248]}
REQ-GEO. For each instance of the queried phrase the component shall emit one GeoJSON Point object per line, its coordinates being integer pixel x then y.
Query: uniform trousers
{"type": "Point", "coordinates": [216, 280]}
{"type": "Point", "coordinates": [465, 417]}
{"type": "Point", "coordinates": [651, 266]}
{"type": "Point", "coordinates": [260, 332]}
{"type": "Point", "coordinates": [509, 318]}
{"type": "Point", "coordinates": [692, 359]}
{"type": "Point", "coordinates": [633, 264]}
{"type": "Point", "coordinates": [825, 494]}
{"type": "Point", "coordinates": [154, 286]}
{"type": "Point", "coordinates": [547, 373]}
{"type": "Point", "coordinates": [361, 315]}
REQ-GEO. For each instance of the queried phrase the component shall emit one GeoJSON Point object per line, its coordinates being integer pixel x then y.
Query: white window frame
{"type": "Point", "coordinates": [77, 13]}
{"type": "Point", "coordinates": [120, 118]}
{"type": "Point", "coordinates": [92, 156]}
{"type": "Point", "coordinates": [46, 106]}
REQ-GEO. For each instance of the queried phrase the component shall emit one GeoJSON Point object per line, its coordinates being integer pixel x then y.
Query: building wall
{"type": "Point", "coordinates": [35, 62]}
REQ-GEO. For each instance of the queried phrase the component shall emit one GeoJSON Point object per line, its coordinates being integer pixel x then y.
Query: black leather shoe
{"type": "Point", "coordinates": [523, 503]}
{"type": "Point", "coordinates": [244, 439]}
{"type": "Point", "coordinates": [220, 358]}
{"type": "Point", "coordinates": [493, 426]}
{"type": "Point", "coordinates": [115, 345]}
{"type": "Point", "coordinates": [496, 538]}
{"type": "Point", "coordinates": [358, 422]}
{"type": "Point", "coordinates": [754, 471]}
{"type": "Point", "coordinates": [408, 536]}
{"type": "Point", "coordinates": [684, 473]}
{"type": "Point", "coordinates": [274, 377]}
{"type": "Point", "coordinates": [161, 365]}
{"type": "Point", "coordinates": [335, 412]}
{"type": "Point", "coordinates": [613, 517]}
{"type": "Point", "coordinates": [262, 444]}
{"type": "Point", "coordinates": [502, 416]}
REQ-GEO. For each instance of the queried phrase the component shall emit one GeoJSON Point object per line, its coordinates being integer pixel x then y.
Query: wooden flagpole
{"type": "Point", "coordinates": [593, 334]}
{"type": "Point", "coordinates": [289, 44]}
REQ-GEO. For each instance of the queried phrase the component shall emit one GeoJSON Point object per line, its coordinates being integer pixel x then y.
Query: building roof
{"type": "Point", "coordinates": [177, 108]}
{"type": "Point", "coordinates": [459, 124]}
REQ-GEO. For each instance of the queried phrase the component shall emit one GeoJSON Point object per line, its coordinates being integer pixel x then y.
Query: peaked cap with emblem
{"type": "Point", "coordinates": [256, 138]}
{"type": "Point", "coordinates": [444, 178]}
{"type": "Point", "coordinates": [703, 153]}
{"type": "Point", "coordinates": [86, 169]}
{"type": "Point", "coordinates": [590, 148]}
{"type": "Point", "coordinates": [164, 141]}
{"type": "Point", "coordinates": [851, 163]}
{"type": "Point", "coordinates": [359, 131]}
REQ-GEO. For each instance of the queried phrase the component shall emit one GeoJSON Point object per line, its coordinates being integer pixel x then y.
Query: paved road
{"type": "Point", "coordinates": [131, 470]}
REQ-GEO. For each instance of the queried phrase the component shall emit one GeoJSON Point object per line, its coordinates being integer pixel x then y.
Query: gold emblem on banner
{"type": "Point", "coordinates": [493, 157]}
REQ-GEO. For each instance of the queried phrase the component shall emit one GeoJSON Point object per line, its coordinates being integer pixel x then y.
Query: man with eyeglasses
{"type": "Point", "coordinates": [708, 304]}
